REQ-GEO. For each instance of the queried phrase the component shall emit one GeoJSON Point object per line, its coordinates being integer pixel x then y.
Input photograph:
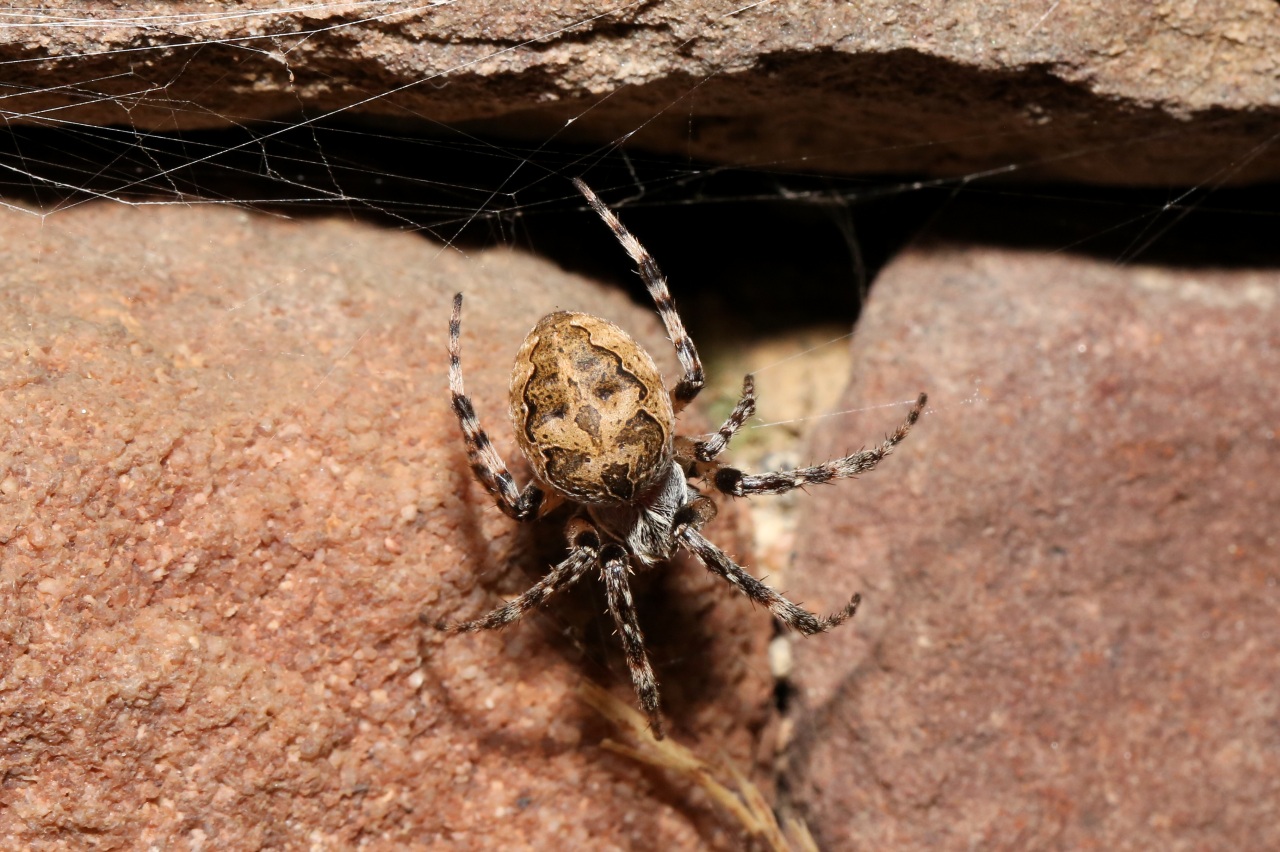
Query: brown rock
{"type": "Point", "coordinates": [230, 480]}
{"type": "Point", "coordinates": [1069, 635]}
{"type": "Point", "coordinates": [1083, 90]}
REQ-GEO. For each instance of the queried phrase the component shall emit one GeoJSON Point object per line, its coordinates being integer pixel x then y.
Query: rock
{"type": "Point", "coordinates": [231, 481]}
{"type": "Point", "coordinates": [1069, 569]}
{"type": "Point", "coordinates": [1130, 94]}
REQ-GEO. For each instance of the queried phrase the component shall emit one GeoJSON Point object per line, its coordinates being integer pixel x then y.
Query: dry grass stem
{"type": "Point", "coordinates": [745, 803]}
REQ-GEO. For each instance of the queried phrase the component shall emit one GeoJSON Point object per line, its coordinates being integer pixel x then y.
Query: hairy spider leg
{"type": "Point", "coordinates": [487, 465]}
{"type": "Point", "coordinates": [584, 544]}
{"type": "Point", "coordinates": [707, 450]}
{"type": "Point", "coordinates": [793, 616]}
{"type": "Point", "coordinates": [615, 566]}
{"type": "Point", "coordinates": [656, 283]}
{"type": "Point", "coordinates": [735, 483]}
{"type": "Point", "coordinates": [560, 577]}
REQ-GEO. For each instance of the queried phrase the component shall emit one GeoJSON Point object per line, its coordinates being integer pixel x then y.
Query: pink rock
{"type": "Point", "coordinates": [231, 481]}
{"type": "Point", "coordinates": [1069, 570]}
{"type": "Point", "coordinates": [1125, 93]}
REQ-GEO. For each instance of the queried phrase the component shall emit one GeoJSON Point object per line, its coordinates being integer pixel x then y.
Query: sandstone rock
{"type": "Point", "coordinates": [1123, 93]}
{"type": "Point", "coordinates": [230, 480]}
{"type": "Point", "coordinates": [1069, 634]}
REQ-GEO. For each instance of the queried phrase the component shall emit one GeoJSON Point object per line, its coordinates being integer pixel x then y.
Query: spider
{"type": "Point", "coordinates": [597, 424]}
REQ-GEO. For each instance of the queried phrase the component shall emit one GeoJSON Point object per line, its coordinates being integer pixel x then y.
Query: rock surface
{"type": "Point", "coordinates": [230, 480]}
{"type": "Point", "coordinates": [1069, 635]}
{"type": "Point", "coordinates": [1135, 93]}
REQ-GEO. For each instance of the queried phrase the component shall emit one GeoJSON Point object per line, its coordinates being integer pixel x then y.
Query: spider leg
{"type": "Point", "coordinates": [796, 617]}
{"type": "Point", "coordinates": [695, 514]}
{"type": "Point", "coordinates": [487, 465]}
{"type": "Point", "coordinates": [735, 483]}
{"type": "Point", "coordinates": [656, 283]}
{"type": "Point", "coordinates": [586, 547]}
{"type": "Point", "coordinates": [615, 568]}
{"type": "Point", "coordinates": [705, 451]}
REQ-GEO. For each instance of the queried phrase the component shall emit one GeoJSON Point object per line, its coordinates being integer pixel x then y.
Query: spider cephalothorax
{"type": "Point", "coordinates": [597, 424]}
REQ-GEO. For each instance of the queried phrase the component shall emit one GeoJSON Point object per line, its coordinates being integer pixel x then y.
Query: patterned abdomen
{"type": "Point", "coordinates": [590, 410]}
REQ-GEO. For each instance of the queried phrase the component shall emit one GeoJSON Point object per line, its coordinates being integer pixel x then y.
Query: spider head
{"type": "Point", "coordinates": [590, 410]}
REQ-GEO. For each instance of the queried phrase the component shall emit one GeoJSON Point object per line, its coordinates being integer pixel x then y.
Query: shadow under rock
{"type": "Point", "coordinates": [576, 626]}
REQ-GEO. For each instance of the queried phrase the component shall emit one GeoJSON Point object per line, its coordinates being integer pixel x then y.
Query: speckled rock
{"type": "Point", "coordinates": [1130, 93]}
{"type": "Point", "coordinates": [1069, 636]}
{"type": "Point", "coordinates": [230, 480]}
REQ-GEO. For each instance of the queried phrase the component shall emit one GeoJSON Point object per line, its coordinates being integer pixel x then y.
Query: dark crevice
{"type": "Point", "coordinates": [748, 252]}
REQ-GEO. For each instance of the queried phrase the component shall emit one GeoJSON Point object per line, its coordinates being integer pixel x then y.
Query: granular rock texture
{"type": "Point", "coordinates": [1127, 93]}
{"type": "Point", "coordinates": [230, 480]}
{"type": "Point", "coordinates": [1069, 636]}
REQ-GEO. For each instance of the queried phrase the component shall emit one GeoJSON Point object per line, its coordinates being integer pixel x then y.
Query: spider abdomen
{"type": "Point", "coordinates": [590, 410]}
